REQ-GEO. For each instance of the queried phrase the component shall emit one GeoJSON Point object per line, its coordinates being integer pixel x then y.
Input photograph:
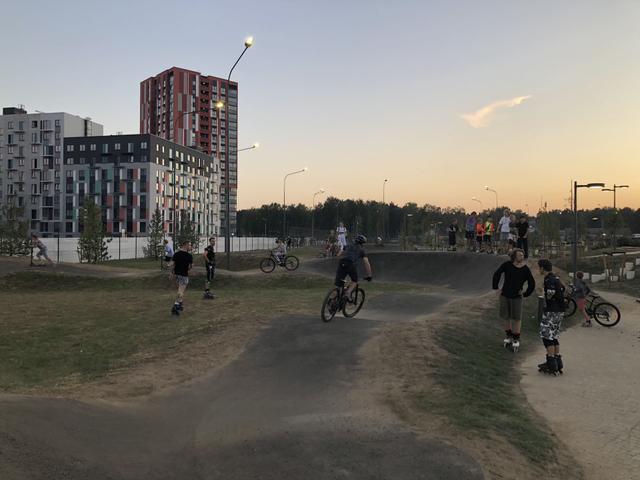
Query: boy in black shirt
{"type": "Point", "coordinates": [551, 318]}
{"type": "Point", "coordinates": [523, 233]}
{"type": "Point", "coordinates": [516, 274]}
{"type": "Point", "coordinates": [182, 263]}
{"type": "Point", "coordinates": [210, 264]}
{"type": "Point", "coordinates": [453, 234]}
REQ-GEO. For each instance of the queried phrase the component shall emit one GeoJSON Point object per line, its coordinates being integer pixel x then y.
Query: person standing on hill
{"type": "Point", "coordinates": [489, 229]}
{"type": "Point", "coordinates": [516, 274]}
{"type": "Point", "coordinates": [504, 226]}
{"type": "Point", "coordinates": [470, 231]}
{"type": "Point", "coordinates": [342, 236]}
{"type": "Point", "coordinates": [453, 230]}
{"type": "Point", "coordinates": [552, 316]}
{"type": "Point", "coordinates": [182, 263]}
{"type": "Point", "coordinates": [523, 233]}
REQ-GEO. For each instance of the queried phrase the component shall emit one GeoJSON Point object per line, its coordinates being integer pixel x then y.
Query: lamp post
{"type": "Point", "coordinates": [406, 216]}
{"type": "Point", "coordinates": [384, 184]}
{"type": "Point", "coordinates": [575, 220]}
{"type": "Point", "coordinates": [252, 147]}
{"type": "Point", "coordinates": [615, 212]}
{"type": "Point", "coordinates": [486, 187]}
{"type": "Point", "coordinates": [227, 184]}
{"type": "Point", "coordinates": [313, 212]}
{"type": "Point", "coordinates": [479, 201]}
{"type": "Point", "coordinates": [284, 201]}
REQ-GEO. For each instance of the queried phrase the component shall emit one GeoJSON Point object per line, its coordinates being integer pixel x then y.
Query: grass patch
{"type": "Point", "coordinates": [63, 330]}
{"type": "Point", "coordinates": [478, 383]}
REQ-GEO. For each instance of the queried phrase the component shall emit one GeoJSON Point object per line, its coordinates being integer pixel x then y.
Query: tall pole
{"type": "Point", "coordinates": [384, 184]}
{"type": "Point", "coordinates": [284, 201]}
{"type": "Point", "coordinates": [575, 229]}
{"type": "Point", "coordinates": [313, 212]}
{"type": "Point", "coordinates": [227, 183]}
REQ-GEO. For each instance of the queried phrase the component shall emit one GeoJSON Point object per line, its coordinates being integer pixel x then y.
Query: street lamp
{"type": "Point", "coordinates": [406, 216]}
{"type": "Point", "coordinates": [384, 184]}
{"type": "Point", "coordinates": [486, 187]}
{"type": "Point", "coordinates": [252, 147]}
{"type": "Point", "coordinates": [227, 184]}
{"type": "Point", "coordinates": [284, 201]}
{"type": "Point", "coordinates": [313, 211]}
{"type": "Point", "coordinates": [597, 185]}
{"type": "Point", "coordinates": [479, 201]}
{"type": "Point", "coordinates": [615, 212]}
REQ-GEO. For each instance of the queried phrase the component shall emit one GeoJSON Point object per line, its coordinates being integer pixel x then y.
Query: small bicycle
{"type": "Point", "coordinates": [605, 313]}
{"type": "Point", "coordinates": [336, 300]}
{"type": "Point", "coordinates": [289, 262]}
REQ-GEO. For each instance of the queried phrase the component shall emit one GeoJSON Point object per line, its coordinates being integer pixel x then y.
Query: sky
{"type": "Point", "coordinates": [440, 98]}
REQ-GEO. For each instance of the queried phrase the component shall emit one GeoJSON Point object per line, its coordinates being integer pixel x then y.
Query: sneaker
{"type": "Point", "coordinates": [515, 345]}
{"type": "Point", "coordinates": [175, 311]}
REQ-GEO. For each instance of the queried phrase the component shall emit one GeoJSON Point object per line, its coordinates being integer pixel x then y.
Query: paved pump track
{"type": "Point", "coordinates": [295, 405]}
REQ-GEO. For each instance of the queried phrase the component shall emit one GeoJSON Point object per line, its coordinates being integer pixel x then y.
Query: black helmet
{"type": "Point", "coordinates": [361, 239]}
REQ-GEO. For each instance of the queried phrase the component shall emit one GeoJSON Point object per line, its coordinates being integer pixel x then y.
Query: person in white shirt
{"type": "Point", "coordinates": [342, 236]}
{"type": "Point", "coordinates": [504, 226]}
{"type": "Point", "coordinates": [280, 251]}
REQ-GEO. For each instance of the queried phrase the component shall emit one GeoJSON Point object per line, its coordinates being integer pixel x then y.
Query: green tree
{"type": "Point", "coordinates": [92, 246]}
{"type": "Point", "coordinates": [13, 231]}
{"type": "Point", "coordinates": [187, 231]}
{"type": "Point", "coordinates": [156, 234]}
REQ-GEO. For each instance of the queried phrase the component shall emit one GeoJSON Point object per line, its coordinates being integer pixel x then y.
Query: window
{"type": "Point", "coordinates": [10, 125]}
{"type": "Point", "coordinates": [34, 124]}
{"type": "Point", "coordinates": [105, 148]}
{"type": "Point", "coordinates": [143, 145]}
{"type": "Point", "coordinates": [57, 123]}
{"type": "Point", "coordinates": [21, 162]}
{"type": "Point", "coordinates": [117, 146]}
{"type": "Point", "coordinates": [69, 148]}
{"type": "Point", "coordinates": [21, 137]}
{"type": "Point", "coordinates": [83, 148]}
{"type": "Point", "coordinates": [92, 147]}
{"type": "Point", "coordinates": [130, 147]}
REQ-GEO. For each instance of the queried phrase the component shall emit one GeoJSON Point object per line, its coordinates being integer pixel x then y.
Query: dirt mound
{"type": "Point", "coordinates": [463, 272]}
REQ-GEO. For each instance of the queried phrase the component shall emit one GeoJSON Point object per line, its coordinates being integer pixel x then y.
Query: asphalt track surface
{"type": "Point", "coordinates": [294, 405]}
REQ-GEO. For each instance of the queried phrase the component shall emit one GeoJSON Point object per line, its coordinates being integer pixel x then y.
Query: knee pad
{"type": "Point", "coordinates": [547, 342]}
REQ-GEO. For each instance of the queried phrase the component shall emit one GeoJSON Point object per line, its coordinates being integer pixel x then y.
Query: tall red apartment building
{"type": "Point", "coordinates": [179, 105]}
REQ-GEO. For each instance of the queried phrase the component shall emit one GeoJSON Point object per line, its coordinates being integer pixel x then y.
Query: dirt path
{"type": "Point", "coordinates": [593, 407]}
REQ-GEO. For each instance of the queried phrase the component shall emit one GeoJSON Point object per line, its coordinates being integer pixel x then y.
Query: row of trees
{"type": "Point", "coordinates": [393, 221]}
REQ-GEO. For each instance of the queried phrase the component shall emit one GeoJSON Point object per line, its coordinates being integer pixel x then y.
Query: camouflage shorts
{"type": "Point", "coordinates": [550, 325]}
{"type": "Point", "coordinates": [182, 280]}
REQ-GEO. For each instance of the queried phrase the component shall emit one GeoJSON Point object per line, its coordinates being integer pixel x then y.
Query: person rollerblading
{"type": "Point", "coordinates": [182, 263]}
{"type": "Point", "coordinates": [551, 319]}
{"type": "Point", "coordinates": [550, 366]}
{"type": "Point", "coordinates": [210, 265]}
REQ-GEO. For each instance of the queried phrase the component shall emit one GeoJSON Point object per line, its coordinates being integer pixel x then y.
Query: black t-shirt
{"type": "Point", "coordinates": [210, 253]}
{"type": "Point", "coordinates": [453, 229]}
{"type": "Point", "coordinates": [523, 228]}
{"type": "Point", "coordinates": [354, 252]}
{"type": "Point", "coordinates": [181, 262]}
{"type": "Point", "coordinates": [553, 294]}
{"type": "Point", "coordinates": [514, 280]}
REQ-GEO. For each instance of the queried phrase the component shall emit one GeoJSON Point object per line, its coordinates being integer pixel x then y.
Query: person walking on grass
{"type": "Point", "coordinates": [523, 235]}
{"type": "Point", "coordinates": [516, 274]}
{"type": "Point", "coordinates": [42, 250]}
{"type": "Point", "coordinates": [209, 255]}
{"type": "Point", "coordinates": [182, 263]}
{"type": "Point", "coordinates": [580, 292]}
{"type": "Point", "coordinates": [168, 253]}
{"type": "Point", "coordinates": [470, 231]}
{"type": "Point", "coordinates": [551, 321]}
{"type": "Point", "coordinates": [504, 226]}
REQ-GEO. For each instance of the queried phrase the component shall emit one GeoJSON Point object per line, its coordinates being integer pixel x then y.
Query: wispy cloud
{"type": "Point", "coordinates": [482, 118]}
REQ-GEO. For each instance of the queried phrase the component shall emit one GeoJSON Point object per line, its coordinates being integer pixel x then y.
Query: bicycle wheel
{"type": "Point", "coordinates": [606, 314]}
{"type": "Point", "coordinates": [570, 306]}
{"type": "Point", "coordinates": [350, 309]}
{"type": "Point", "coordinates": [330, 305]}
{"type": "Point", "coordinates": [291, 262]}
{"type": "Point", "coordinates": [267, 265]}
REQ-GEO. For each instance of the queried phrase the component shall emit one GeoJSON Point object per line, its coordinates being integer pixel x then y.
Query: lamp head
{"type": "Point", "coordinates": [595, 185]}
{"type": "Point", "coordinates": [322, 190]}
{"type": "Point", "coordinates": [219, 104]}
{"type": "Point", "coordinates": [486, 187]}
{"type": "Point", "coordinates": [256, 145]}
{"type": "Point", "coordinates": [248, 42]}
{"type": "Point", "coordinates": [305, 169]}
{"type": "Point", "coordinates": [608, 190]}
{"type": "Point", "coordinates": [621, 186]}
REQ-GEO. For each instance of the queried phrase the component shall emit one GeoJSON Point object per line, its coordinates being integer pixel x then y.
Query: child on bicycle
{"type": "Point", "coordinates": [42, 250]}
{"type": "Point", "coordinates": [580, 292]}
{"type": "Point", "coordinates": [280, 251]}
{"type": "Point", "coordinates": [347, 266]}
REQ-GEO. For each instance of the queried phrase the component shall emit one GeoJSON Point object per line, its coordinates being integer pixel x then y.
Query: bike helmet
{"type": "Point", "coordinates": [360, 239]}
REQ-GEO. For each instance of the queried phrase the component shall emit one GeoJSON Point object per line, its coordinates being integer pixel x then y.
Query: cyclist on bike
{"type": "Point", "coordinates": [347, 266]}
{"type": "Point", "coordinates": [280, 251]}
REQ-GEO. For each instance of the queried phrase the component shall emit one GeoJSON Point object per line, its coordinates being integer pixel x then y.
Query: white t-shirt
{"type": "Point", "coordinates": [341, 230]}
{"type": "Point", "coordinates": [505, 225]}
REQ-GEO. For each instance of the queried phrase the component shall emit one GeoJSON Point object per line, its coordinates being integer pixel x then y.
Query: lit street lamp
{"type": "Point", "coordinates": [227, 184]}
{"type": "Point", "coordinates": [575, 220]}
{"type": "Point", "coordinates": [486, 187]}
{"type": "Point", "coordinates": [284, 201]}
{"type": "Point", "coordinates": [615, 212]}
{"type": "Point", "coordinates": [407, 215]}
{"type": "Point", "coordinates": [313, 211]}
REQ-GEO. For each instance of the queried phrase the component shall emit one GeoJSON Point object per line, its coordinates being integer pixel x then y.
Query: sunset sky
{"type": "Point", "coordinates": [441, 98]}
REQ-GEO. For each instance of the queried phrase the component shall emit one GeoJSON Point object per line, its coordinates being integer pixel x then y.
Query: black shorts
{"type": "Point", "coordinates": [479, 238]}
{"type": "Point", "coordinates": [452, 239]}
{"type": "Point", "coordinates": [346, 267]}
{"type": "Point", "coordinates": [469, 234]}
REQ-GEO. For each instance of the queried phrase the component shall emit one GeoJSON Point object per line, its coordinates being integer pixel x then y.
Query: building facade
{"type": "Point", "coordinates": [128, 176]}
{"type": "Point", "coordinates": [31, 166]}
{"type": "Point", "coordinates": [179, 105]}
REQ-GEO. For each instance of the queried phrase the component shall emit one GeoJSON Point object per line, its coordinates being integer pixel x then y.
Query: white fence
{"type": "Point", "coordinates": [120, 248]}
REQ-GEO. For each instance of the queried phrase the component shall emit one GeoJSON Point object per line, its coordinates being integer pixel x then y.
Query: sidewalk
{"type": "Point", "coordinates": [593, 407]}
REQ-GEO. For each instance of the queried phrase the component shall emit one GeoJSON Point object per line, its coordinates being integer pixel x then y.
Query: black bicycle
{"type": "Point", "coordinates": [336, 300]}
{"type": "Point", "coordinates": [289, 262]}
{"type": "Point", "coordinates": [605, 313]}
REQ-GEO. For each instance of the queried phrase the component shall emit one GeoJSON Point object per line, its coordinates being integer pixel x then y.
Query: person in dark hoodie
{"type": "Point", "coordinates": [552, 316]}
{"type": "Point", "coordinates": [516, 274]}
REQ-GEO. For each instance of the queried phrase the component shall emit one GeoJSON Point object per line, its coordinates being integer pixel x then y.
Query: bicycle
{"type": "Point", "coordinates": [289, 262]}
{"type": "Point", "coordinates": [336, 300]}
{"type": "Point", "coordinates": [605, 313]}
